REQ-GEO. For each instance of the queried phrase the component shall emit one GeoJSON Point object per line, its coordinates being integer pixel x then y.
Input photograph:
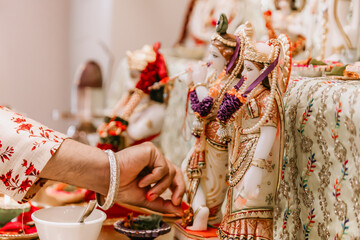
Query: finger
{"type": "Point", "coordinates": [159, 188]}
{"type": "Point", "coordinates": [178, 188]}
{"type": "Point", "coordinates": [162, 185]}
{"type": "Point", "coordinates": [159, 166]}
{"type": "Point", "coordinates": [155, 176]}
{"type": "Point", "coordinates": [164, 206]}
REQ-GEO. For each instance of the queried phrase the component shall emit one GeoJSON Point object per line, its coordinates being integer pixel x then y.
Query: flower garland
{"type": "Point", "coordinates": [203, 108]}
{"type": "Point", "coordinates": [154, 71]}
{"type": "Point", "coordinates": [216, 92]}
{"type": "Point", "coordinates": [233, 99]}
{"type": "Point", "coordinates": [110, 133]}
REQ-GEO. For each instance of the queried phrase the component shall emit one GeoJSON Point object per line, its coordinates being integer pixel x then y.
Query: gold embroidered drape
{"type": "Point", "coordinates": [320, 186]}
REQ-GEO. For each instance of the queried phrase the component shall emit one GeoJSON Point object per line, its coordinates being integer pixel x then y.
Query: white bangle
{"type": "Point", "coordinates": [259, 162]}
{"type": "Point", "coordinates": [200, 84]}
{"type": "Point", "coordinates": [114, 183]}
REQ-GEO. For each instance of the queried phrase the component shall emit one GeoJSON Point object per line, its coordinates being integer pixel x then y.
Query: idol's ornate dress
{"type": "Point", "coordinates": [213, 171]}
{"type": "Point", "coordinates": [244, 217]}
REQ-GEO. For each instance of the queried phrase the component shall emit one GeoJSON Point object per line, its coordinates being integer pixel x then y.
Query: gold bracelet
{"type": "Point", "coordinates": [200, 84]}
{"type": "Point", "coordinates": [258, 162]}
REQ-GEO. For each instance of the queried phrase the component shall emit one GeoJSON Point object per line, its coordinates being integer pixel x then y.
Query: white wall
{"type": "Point", "coordinates": [121, 26]}
{"type": "Point", "coordinates": [42, 43]}
{"type": "Point", "coordinates": [139, 22]}
{"type": "Point", "coordinates": [34, 70]}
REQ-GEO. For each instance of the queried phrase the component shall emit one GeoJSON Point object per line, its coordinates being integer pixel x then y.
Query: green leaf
{"type": "Point", "coordinates": [222, 24]}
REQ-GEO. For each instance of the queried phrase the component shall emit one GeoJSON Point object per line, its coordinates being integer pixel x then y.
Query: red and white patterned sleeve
{"type": "Point", "coordinates": [25, 148]}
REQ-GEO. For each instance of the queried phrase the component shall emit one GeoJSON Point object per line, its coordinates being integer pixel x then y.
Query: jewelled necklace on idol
{"type": "Point", "coordinates": [238, 97]}
{"type": "Point", "coordinates": [204, 107]}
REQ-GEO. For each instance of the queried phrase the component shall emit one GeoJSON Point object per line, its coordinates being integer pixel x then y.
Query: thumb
{"type": "Point", "coordinates": [164, 206]}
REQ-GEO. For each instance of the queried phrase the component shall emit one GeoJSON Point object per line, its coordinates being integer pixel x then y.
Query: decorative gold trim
{"type": "Point", "coordinates": [246, 137]}
{"type": "Point", "coordinates": [218, 146]}
{"type": "Point", "coordinates": [223, 236]}
{"type": "Point", "coordinates": [280, 105]}
{"type": "Point", "coordinates": [253, 108]}
{"type": "Point", "coordinates": [242, 162]}
{"type": "Point", "coordinates": [229, 43]}
{"type": "Point", "coordinates": [251, 213]}
{"type": "Point", "coordinates": [258, 162]}
{"type": "Point", "coordinates": [198, 210]}
{"type": "Point", "coordinates": [200, 84]}
{"type": "Point", "coordinates": [240, 159]}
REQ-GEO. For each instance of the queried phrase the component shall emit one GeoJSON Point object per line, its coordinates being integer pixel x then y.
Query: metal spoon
{"type": "Point", "coordinates": [89, 209]}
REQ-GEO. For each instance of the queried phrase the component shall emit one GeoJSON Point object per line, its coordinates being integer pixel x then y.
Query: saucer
{"type": "Point", "coordinates": [19, 236]}
{"type": "Point", "coordinates": [141, 234]}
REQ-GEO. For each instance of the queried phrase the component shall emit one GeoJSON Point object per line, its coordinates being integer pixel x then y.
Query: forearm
{"type": "Point", "coordinates": [80, 165]}
{"type": "Point", "coordinates": [266, 142]}
{"type": "Point", "coordinates": [255, 174]}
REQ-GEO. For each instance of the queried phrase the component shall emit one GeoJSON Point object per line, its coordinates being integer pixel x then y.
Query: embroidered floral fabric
{"type": "Point", "coordinates": [320, 187]}
{"type": "Point", "coordinates": [25, 148]}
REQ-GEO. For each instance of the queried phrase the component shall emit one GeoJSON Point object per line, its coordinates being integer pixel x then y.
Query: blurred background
{"type": "Point", "coordinates": [43, 43]}
{"type": "Point", "coordinates": [44, 46]}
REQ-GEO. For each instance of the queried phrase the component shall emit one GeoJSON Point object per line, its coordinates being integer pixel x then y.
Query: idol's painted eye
{"type": "Point", "coordinates": [249, 69]}
{"type": "Point", "coordinates": [214, 55]}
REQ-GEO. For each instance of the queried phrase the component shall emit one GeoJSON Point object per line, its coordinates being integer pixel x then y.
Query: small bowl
{"type": "Point", "coordinates": [66, 197]}
{"type": "Point", "coordinates": [62, 223]}
{"type": "Point", "coordinates": [8, 213]}
{"type": "Point", "coordinates": [141, 234]}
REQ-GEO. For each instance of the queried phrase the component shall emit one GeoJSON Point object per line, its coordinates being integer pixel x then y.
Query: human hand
{"type": "Point", "coordinates": [252, 181]}
{"type": "Point", "coordinates": [142, 166]}
{"type": "Point", "coordinates": [199, 72]}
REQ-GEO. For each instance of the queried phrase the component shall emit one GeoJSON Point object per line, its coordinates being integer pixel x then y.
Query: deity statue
{"type": "Point", "coordinates": [344, 33]}
{"type": "Point", "coordinates": [253, 109]}
{"type": "Point", "coordinates": [139, 115]}
{"type": "Point", "coordinates": [206, 164]}
{"type": "Point", "coordinates": [286, 19]}
{"type": "Point", "coordinates": [201, 19]}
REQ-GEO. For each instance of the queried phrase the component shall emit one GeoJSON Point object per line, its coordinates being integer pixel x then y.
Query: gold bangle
{"type": "Point", "coordinates": [258, 162]}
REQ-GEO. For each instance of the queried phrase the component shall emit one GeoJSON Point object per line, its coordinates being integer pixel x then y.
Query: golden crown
{"type": "Point", "coordinates": [252, 53]}
{"type": "Point", "coordinates": [229, 43]}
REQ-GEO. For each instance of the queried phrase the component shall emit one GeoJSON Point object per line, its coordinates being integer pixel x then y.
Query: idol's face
{"type": "Point", "coordinates": [250, 72]}
{"type": "Point", "coordinates": [216, 60]}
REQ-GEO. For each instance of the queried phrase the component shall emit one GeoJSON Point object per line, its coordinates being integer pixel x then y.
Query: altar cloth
{"type": "Point", "coordinates": [320, 178]}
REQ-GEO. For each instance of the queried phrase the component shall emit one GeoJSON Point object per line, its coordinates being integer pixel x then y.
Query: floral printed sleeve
{"type": "Point", "coordinates": [25, 148]}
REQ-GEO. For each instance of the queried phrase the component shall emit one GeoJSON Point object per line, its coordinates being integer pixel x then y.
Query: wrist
{"type": "Point", "coordinates": [80, 165]}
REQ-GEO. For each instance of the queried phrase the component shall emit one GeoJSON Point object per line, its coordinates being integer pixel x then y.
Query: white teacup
{"type": "Point", "coordinates": [60, 223]}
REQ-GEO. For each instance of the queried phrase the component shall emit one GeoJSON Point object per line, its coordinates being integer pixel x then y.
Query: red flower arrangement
{"type": "Point", "coordinates": [154, 71]}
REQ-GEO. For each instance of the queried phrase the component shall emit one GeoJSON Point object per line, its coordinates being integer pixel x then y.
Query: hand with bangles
{"type": "Point", "coordinates": [144, 174]}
